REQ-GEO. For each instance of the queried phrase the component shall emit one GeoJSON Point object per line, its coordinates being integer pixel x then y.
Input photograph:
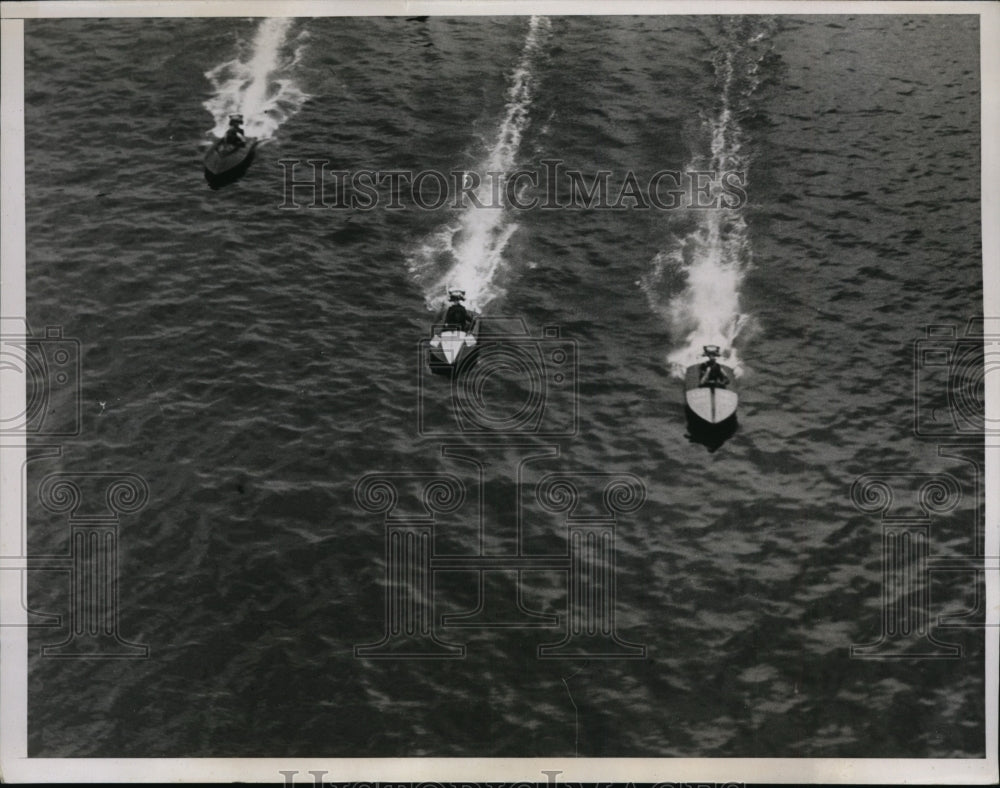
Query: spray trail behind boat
{"type": "Point", "coordinates": [695, 283]}
{"type": "Point", "coordinates": [472, 246]}
{"type": "Point", "coordinates": [258, 83]}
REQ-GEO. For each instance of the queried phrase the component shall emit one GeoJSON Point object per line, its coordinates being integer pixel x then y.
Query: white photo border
{"type": "Point", "coordinates": [16, 766]}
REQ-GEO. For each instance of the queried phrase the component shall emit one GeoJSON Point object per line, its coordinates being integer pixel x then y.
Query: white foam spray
{"type": "Point", "coordinates": [259, 84]}
{"type": "Point", "coordinates": [695, 282]}
{"type": "Point", "coordinates": [472, 246]}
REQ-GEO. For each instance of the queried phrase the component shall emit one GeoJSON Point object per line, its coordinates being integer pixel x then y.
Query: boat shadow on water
{"type": "Point", "coordinates": [711, 436]}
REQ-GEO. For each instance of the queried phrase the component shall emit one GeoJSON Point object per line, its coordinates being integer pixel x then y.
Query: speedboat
{"type": "Point", "coordinates": [710, 391]}
{"type": "Point", "coordinates": [226, 163]}
{"type": "Point", "coordinates": [450, 348]}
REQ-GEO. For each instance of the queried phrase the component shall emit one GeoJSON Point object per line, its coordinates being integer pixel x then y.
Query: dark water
{"type": "Point", "coordinates": [252, 364]}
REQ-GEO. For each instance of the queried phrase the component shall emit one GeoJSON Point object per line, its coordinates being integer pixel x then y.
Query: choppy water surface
{"type": "Point", "coordinates": [253, 363]}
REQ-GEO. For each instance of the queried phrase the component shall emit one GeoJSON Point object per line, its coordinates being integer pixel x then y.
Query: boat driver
{"type": "Point", "coordinates": [234, 134]}
{"type": "Point", "coordinates": [457, 315]}
{"type": "Point", "coordinates": [711, 372]}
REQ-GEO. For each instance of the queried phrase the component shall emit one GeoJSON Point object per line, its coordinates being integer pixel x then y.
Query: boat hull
{"type": "Point", "coordinates": [225, 164]}
{"type": "Point", "coordinates": [450, 350]}
{"type": "Point", "coordinates": [711, 404]}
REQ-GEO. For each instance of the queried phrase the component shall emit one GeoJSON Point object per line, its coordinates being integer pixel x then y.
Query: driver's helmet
{"type": "Point", "coordinates": [235, 120]}
{"type": "Point", "coordinates": [712, 351]}
{"type": "Point", "coordinates": [456, 295]}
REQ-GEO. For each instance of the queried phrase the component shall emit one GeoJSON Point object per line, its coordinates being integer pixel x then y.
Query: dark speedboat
{"type": "Point", "coordinates": [226, 163]}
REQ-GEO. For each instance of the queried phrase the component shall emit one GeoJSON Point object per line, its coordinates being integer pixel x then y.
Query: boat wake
{"type": "Point", "coordinates": [695, 283]}
{"type": "Point", "coordinates": [259, 82]}
{"type": "Point", "coordinates": [470, 248]}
